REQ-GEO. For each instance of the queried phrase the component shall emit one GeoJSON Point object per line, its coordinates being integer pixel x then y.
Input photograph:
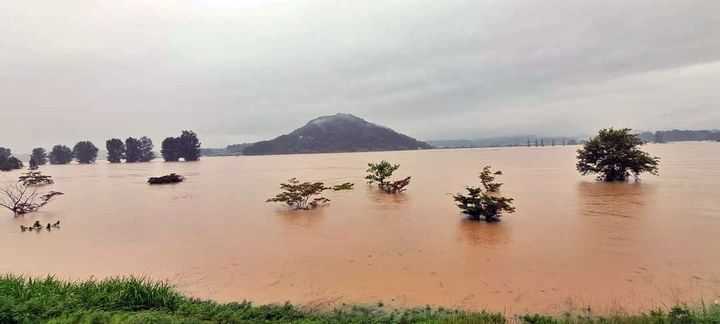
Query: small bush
{"type": "Point", "coordinates": [299, 195]}
{"type": "Point", "coordinates": [380, 174]}
{"type": "Point", "coordinates": [484, 202]}
{"type": "Point", "coordinates": [344, 186]}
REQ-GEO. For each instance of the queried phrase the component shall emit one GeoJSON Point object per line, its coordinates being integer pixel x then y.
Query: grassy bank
{"type": "Point", "coordinates": [133, 300]}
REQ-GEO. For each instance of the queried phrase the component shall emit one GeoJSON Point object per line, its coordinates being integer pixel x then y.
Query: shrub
{"type": "Point", "coordinates": [344, 186]}
{"type": "Point", "coordinates": [35, 178]}
{"type": "Point", "coordinates": [484, 202]}
{"type": "Point", "coordinates": [380, 174]}
{"type": "Point", "coordinates": [299, 195]}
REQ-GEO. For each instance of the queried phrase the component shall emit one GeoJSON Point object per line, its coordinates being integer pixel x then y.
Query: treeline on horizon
{"type": "Point", "coordinates": [132, 150]}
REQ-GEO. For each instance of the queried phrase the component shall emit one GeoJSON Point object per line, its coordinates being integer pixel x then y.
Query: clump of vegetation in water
{"type": "Point", "coordinates": [136, 300]}
{"type": "Point", "coordinates": [484, 202]}
{"type": "Point", "coordinates": [60, 154]}
{"type": "Point", "coordinates": [22, 199]}
{"type": "Point", "coordinates": [35, 178]}
{"type": "Point", "coordinates": [170, 178]}
{"type": "Point", "coordinates": [85, 152]}
{"type": "Point", "coordinates": [615, 154]}
{"type": "Point", "coordinates": [344, 186]}
{"type": "Point", "coordinates": [37, 227]}
{"type": "Point", "coordinates": [7, 161]}
{"type": "Point", "coordinates": [380, 174]}
{"type": "Point", "coordinates": [299, 195]}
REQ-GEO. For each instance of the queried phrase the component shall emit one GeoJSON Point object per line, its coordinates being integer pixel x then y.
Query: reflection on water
{"type": "Point", "coordinates": [570, 239]}
{"type": "Point", "coordinates": [484, 234]}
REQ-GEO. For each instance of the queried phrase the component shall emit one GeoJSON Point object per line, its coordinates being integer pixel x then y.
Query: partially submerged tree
{"type": "Point", "coordinates": [170, 149]}
{"type": "Point", "coordinates": [60, 154]}
{"type": "Point", "coordinates": [615, 154]}
{"type": "Point", "coordinates": [115, 150]}
{"type": "Point", "coordinates": [380, 174]}
{"type": "Point", "coordinates": [299, 195]}
{"type": "Point", "coordinates": [344, 186]}
{"type": "Point", "coordinates": [187, 147]}
{"type": "Point", "coordinates": [132, 150]}
{"type": "Point", "coordinates": [39, 155]}
{"type": "Point", "coordinates": [7, 161]}
{"type": "Point", "coordinates": [484, 202]}
{"type": "Point", "coordinates": [170, 178]}
{"type": "Point", "coordinates": [35, 178]}
{"type": "Point", "coordinates": [22, 199]}
{"type": "Point", "coordinates": [146, 149]}
{"type": "Point", "coordinates": [85, 152]}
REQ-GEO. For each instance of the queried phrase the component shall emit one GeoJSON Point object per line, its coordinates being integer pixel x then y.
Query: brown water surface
{"type": "Point", "coordinates": [573, 242]}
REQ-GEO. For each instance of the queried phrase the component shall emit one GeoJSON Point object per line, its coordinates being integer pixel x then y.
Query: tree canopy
{"type": "Point", "coordinates": [60, 154]}
{"type": "Point", "coordinates": [615, 154]}
{"type": "Point", "coordinates": [299, 195]}
{"type": "Point", "coordinates": [7, 161]}
{"type": "Point", "coordinates": [39, 155]}
{"type": "Point", "coordinates": [85, 152]}
{"type": "Point", "coordinates": [380, 173]}
{"type": "Point", "coordinates": [187, 147]}
{"type": "Point", "coordinates": [146, 149]}
{"type": "Point", "coordinates": [115, 150]}
{"type": "Point", "coordinates": [484, 202]}
{"type": "Point", "coordinates": [133, 153]}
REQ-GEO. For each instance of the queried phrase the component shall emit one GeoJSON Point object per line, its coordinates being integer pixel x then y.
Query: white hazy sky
{"type": "Point", "coordinates": [239, 71]}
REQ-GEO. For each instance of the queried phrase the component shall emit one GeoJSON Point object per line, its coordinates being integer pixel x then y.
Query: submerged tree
{"type": "Point", "coordinates": [299, 195]}
{"type": "Point", "coordinates": [132, 150]}
{"type": "Point", "coordinates": [189, 146]}
{"type": "Point", "coordinates": [60, 154]}
{"type": "Point", "coordinates": [484, 202]}
{"type": "Point", "coordinates": [7, 161]}
{"type": "Point", "coordinates": [35, 178]}
{"type": "Point", "coordinates": [23, 199]}
{"type": "Point", "coordinates": [146, 149]}
{"type": "Point", "coordinates": [39, 155]}
{"type": "Point", "coordinates": [115, 150]}
{"type": "Point", "coordinates": [615, 154]}
{"type": "Point", "coordinates": [170, 149]}
{"type": "Point", "coordinates": [380, 174]}
{"type": "Point", "coordinates": [85, 152]}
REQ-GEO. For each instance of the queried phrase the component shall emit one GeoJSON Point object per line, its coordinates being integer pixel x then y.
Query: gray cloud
{"type": "Point", "coordinates": [238, 71]}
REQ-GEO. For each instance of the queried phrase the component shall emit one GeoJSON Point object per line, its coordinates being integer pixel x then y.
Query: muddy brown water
{"type": "Point", "coordinates": [572, 243]}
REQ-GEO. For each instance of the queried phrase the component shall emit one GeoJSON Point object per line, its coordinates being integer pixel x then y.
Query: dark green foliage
{"type": "Point", "coordinates": [299, 195]}
{"type": "Point", "coordinates": [85, 152]}
{"type": "Point", "coordinates": [133, 152]}
{"type": "Point", "coordinates": [189, 146]}
{"type": "Point", "coordinates": [380, 173]}
{"type": "Point", "coordinates": [483, 203]}
{"type": "Point", "coordinates": [39, 155]}
{"type": "Point", "coordinates": [615, 154]}
{"type": "Point", "coordinates": [170, 149]}
{"type": "Point", "coordinates": [32, 164]}
{"type": "Point", "coordinates": [60, 154]}
{"type": "Point", "coordinates": [170, 178]}
{"type": "Point", "coordinates": [344, 186]}
{"type": "Point", "coordinates": [35, 178]}
{"type": "Point", "coordinates": [7, 161]}
{"type": "Point", "coordinates": [115, 150]}
{"type": "Point", "coordinates": [146, 149]}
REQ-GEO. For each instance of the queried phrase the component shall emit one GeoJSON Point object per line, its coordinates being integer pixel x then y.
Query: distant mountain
{"type": "Point", "coordinates": [336, 133]}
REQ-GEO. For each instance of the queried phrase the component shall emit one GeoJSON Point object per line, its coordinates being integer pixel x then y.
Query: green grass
{"type": "Point", "coordinates": [135, 300]}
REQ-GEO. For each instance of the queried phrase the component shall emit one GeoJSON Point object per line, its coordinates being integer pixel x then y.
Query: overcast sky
{"type": "Point", "coordinates": [240, 71]}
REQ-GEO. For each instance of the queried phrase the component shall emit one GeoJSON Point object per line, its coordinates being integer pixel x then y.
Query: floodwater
{"type": "Point", "coordinates": [572, 242]}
